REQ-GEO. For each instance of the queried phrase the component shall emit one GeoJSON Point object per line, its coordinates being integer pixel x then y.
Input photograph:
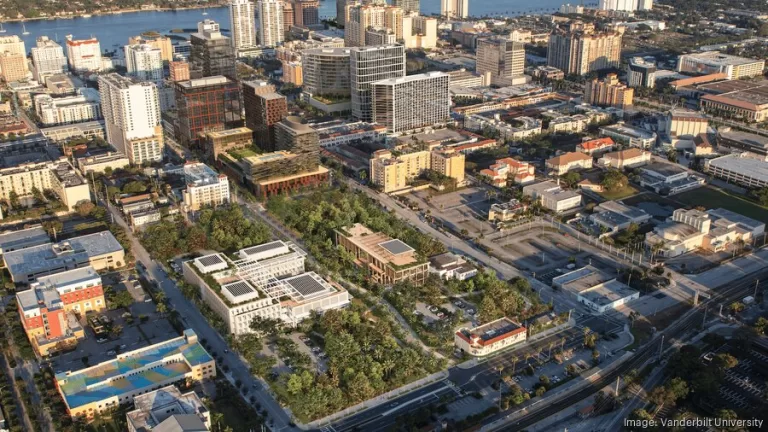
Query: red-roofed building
{"type": "Point", "coordinates": [594, 146]}
{"type": "Point", "coordinates": [508, 168]}
{"type": "Point", "coordinates": [491, 337]}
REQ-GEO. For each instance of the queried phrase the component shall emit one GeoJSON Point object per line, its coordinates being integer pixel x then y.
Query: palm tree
{"type": "Point", "coordinates": [216, 418]}
{"type": "Point", "coordinates": [514, 363]}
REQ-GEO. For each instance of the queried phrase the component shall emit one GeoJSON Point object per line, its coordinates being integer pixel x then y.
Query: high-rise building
{"type": "Point", "coordinates": [618, 5]}
{"type": "Point", "coordinates": [368, 65]}
{"type": "Point", "coordinates": [454, 8]}
{"type": "Point", "coordinates": [408, 5]}
{"type": "Point", "coordinates": [360, 18]}
{"type": "Point", "coordinates": [271, 26]}
{"type": "Point", "coordinates": [12, 44]}
{"type": "Point", "coordinates": [306, 12]}
{"type": "Point", "coordinates": [501, 59]}
{"type": "Point", "coordinates": [341, 12]}
{"type": "Point", "coordinates": [13, 67]}
{"type": "Point", "coordinates": [293, 73]}
{"type": "Point", "coordinates": [144, 62]}
{"type": "Point", "coordinates": [289, 16]}
{"type": "Point", "coordinates": [580, 49]}
{"type": "Point", "coordinates": [206, 104]}
{"type": "Point", "coordinates": [14, 47]}
{"type": "Point", "coordinates": [608, 92]}
{"type": "Point", "coordinates": [644, 4]}
{"type": "Point", "coordinates": [641, 73]}
{"type": "Point", "coordinates": [262, 112]}
{"type": "Point", "coordinates": [155, 40]}
{"type": "Point", "coordinates": [416, 101]}
{"type": "Point", "coordinates": [242, 18]}
{"type": "Point", "coordinates": [212, 53]}
{"type": "Point", "coordinates": [179, 71]}
{"type": "Point", "coordinates": [302, 141]}
{"type": "Point", "coordinates": [48, 59]}
{"type": "Point", "coordinates": [83, 55]}
{"type": "Point", "coordinates": [419, 31]}
{"type": "Point", "coordinates": [327, 72]}
{"type": "Point", "coordinates": [132, 117]}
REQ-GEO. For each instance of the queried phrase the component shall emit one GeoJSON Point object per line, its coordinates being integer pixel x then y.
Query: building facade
{"type": "Point", "coordinates": [82, 107]}
{"type": "Point", "coordinates": [608, 92]}
{"type": "Point", "coordinates": [712, 62]}
{"type": "Point", "coordinates": [641, 73]}
{"type": "Point", "coordinates": [242, 18]}
{"type": "Point", "coordinates": [13, 67]}
{"type": "Point", "coordinates": [205, 187]}
{"type": "Point", "coordinates": [83, 55]}
{"type": "Point", "coordinates": [48, 59]}
{"type": "Point", "coordinates": [580, 50]}
{"type": "Point", "coordinates": [271, 26]}
{"type": "Point", "coordinates": [211, 53]}
{"type": "Point", "coordinates": [204, 105]}
{"type": "Point", "coordinates": [415, 101]}
{"type": "Point", "coordinates": [453, 9]}
{"type": "Point", "coordinates": [490, 338]}
{"type": "Point", "coordinates": [144, 62]}
{"type": "Point", "coordinates": [500, 59]}
{"type": "Point", "coordinates": [369, 65]}
{"type": "Point", "coordinates": [262, 112]}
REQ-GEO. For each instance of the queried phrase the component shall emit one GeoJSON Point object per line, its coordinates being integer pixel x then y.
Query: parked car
{"type": "Point", "coordinates": [316, 349]}
{"type": "Point", "coordinates": [111, 352]}
{"type": "Point", "coordinates": [101, 340]}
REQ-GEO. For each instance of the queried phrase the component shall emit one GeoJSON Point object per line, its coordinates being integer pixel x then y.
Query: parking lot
{"type": "Point", "coordinates": [744, 385]}
{"type": "Point", "coordinates": [464, 209]}
{"type": "Point", "coordinates": [432, 313]}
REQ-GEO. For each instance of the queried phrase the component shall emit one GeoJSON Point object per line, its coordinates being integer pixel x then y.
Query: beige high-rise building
{"type": "Point", "coordinates": [327, 72]}
{"type": "Point", "coordinates": [580, 49]}
{"type": "Point", "coordinates": [393, 173]}
{"type": "Point", "coordinates": [454, 8]}
{"type": "Point", "coordinates": [160, 42]}
{"type": "Point", "coordinates": [243, 20]}
{"type": "Point", "coordinates": [608, 92]}
{"type": "Point", "coordinates": [179, 71]}
{"type": "Point", "coordinates": [361, 17]}
{"type": "Point", "coordinates": [419, 31]}
{"type": "Point", "coordinates": [13, 67]}
{"type": "Point", "coordinates": [271, 25]}
{"type": "Point", "coordinates": [12, 44]}
{"type": "Point", "coordinates": [411, 102]}
{"type": "Point", "coordinates": [500, 59]}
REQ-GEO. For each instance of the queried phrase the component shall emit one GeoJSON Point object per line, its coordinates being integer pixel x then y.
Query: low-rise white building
{"type": "Point", "coordinates": [490, 338]}
{"type": "Point", "coordinates": [98, 162]}
{"type": "Point", "coordinates": [615, 216]}
{"type": "Point", "coordinates": [629, 135]}
{"type": "Point", "coordinates": [629, 158]}
{"type": "Point", "coordinates": [552, 196]}
{"type": "Point", "coordinates": [595, 289]}
{"type": "Point", "coordinates": [267, 281]}
{"type": "Point", "coordinates": [520, 128]}
{"type": "Point", "coordinates": [668, 178]}
{"type": "Point", "coordinates": [84, 106]}
{"type": "Point", "coordinates": [450, 266]}
{"type": "Point", "coordinates": [205, 187]}
{"type": "Point", "coordinates": [570, 161]}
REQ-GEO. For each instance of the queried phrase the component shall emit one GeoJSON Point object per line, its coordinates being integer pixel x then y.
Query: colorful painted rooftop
{"type": "Point", "coordinates": [142, 368]}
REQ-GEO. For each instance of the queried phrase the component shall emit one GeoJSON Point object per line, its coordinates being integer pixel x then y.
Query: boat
{"type": "Point", "coordinates": [86, 16]}
{"type": "Point", "coordinates": [2, 30]}
{"type": "Point", "coordinates": [205, 11]}
{"type": "Point", "coordinates": [24, 29]}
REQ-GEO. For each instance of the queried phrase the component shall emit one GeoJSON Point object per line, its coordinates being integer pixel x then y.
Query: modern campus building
{"type": "Point", "coordinates": [262, 112]}
{"type": "Point", "coordinates": [167, 409]}
{"type": "Point", "coordinates": [580, 49]}
{"type": "Point", "coordinates": [100, 250]}
{"type": "Point", "coordinates": [412, 102]}
{"type": "Point", "coordinates": [570, 161]}
{"type": "Point", "coordinates": [132, 118]}
{"type": "Point", "coordinates": [218, 142]}
{"type": "Point", "coordinates": [387, 261]}
{"type": "Point", "coordinates": [83, 55]}
{"type": "Point", "coordinates": [211, 53]}
{"type": "Point", "coordinates": [641, 73]}
{"type": "Point", "coordinates": [712, 62]}
{"type": "Point", "coordinates": [552, 196]}
{"type": "Point", "coordinates": [668, 179]}
{"type": "Point", "coordinates": [740, 169]}
{"type": "Point", "coordinates": [500, 60]}
{"type": "Point", "coordinates": [107, 385]}
{"type": "Point", "coordinates": [47, 59]}
{"type": "Point", "coordinates": [81, 107]}
{"type": "Point", "coordinates": [689, 230]}
{"type": "Point", "coordinates": [23, 238]}
{"type": "Point", "coordinates": [144, 62]}
{"type": "Point", "coordinates": [369, 65]}
{"type": "Point", "coordinates": [204, 105]}
{"type": "Point", "coordinates": [490, 337]}
{"type": "Point", "coordinates": [608, 92]}
{"type": "Point", "coordinates": [734, 141]}
{"type": "Point", "coordinates": [271, 25]}
{"type": "Point", "coordinates": [267, 280]}
{"type": "Point", "coordinates": [595, 289]}
{"type": "Point", "coordinates": [450, 266]}
{"type": "Point", "coordinates": [47, 308]}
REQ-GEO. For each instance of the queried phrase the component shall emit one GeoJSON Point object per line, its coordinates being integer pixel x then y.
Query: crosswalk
{"type": "Point", "coordinates": [452, 386]}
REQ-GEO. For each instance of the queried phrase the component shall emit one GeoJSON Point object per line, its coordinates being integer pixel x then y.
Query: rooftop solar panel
{"type": "Point", "coordinates": [263, 247]}
{"type": "Point", "coordinates": [396, 247]}
{"type": "Point", "coordinates": [238, 288]}
{"type": "Point", "coordinates": [306, 285]}
{"type": "Point", "coordinates": [211, 260]}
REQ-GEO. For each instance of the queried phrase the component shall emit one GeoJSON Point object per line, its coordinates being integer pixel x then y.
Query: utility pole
{"type": "Point", "coordinates": [757, 282]}
{"type": "Point", "coordinates": [661, 347]}
{"type": "Point", "coordinates": [617, 385]}
{"type": "Point", "coordinates": [705, 313]}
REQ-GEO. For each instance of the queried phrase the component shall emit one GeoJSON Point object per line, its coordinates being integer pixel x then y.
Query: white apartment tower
{"type": "Point", "coordinates": [48, 59]}
{"type": "Point", "coordinates": [500, 58]}
{"type": "Point", "coordinates": [411, 102]}
{"type": "Point", "coordinates": [144, 62]}
{"type": "Point", "coordinates": [84, 55]}
{"type": "Point", "coordinates": [132, 117]}
{"type": "Point", "coordinates": [454, 8]}
{"type": "Point", "coordinates": [243, 20]}
{"type": "Point", "coordinates": [271, 27]}
{"type": "Point", "coordinates": [368, 65]}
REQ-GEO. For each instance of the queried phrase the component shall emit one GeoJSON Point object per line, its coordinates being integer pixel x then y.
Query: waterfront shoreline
{"type": "Point", "coordinates": [117, 12]}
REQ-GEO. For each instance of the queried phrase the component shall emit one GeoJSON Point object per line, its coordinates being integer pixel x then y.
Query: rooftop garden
{"type": "Point", "coordinates": [242, 153]}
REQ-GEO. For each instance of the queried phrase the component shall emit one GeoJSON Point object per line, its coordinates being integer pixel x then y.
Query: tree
{"type": "Point", "coordinates": [84, 208]}
{"type": "Point", "coordinates": [570, 178]}
{"type": "Point", "coordinates": [134, 187]}
{"type": "Point", "coordinates": [614, 180]}
{"type": "Point", "coordinates": [13, 199]}
{"type": "Point", "coordinates": [266, 326]}
{"type": "Point", "coordinates": [121, 299]}
{"type": "Point", "coordinates": [760, 325]}
{"type": "Point", "coordinates": [672, 155]}
{"type": "Point", "coordinates": [725, 361]}
{"type": "Point", "coordinates": [161, 308]}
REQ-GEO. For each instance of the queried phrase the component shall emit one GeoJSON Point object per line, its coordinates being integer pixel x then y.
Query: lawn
{"type": "Point", "coordinates": [242, 153]}
{"type": "Point", "coordinates": [710, 197]}
{"type": "Point", "coordinates": [622, 193]}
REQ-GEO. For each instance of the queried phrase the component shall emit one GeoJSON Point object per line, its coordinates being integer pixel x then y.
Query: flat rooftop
{"type": "Point", "coordinates": [129, 372]}
{"type": "Point", "coordinates": [630, 131]}
{"type": "Point", "coordinates": [41, 258]}
{"type": "Point", "coordinates": [663, 169]}
{"type": "Point", "coordinates": [749, 167]}
{"type": "Point", "coordinates": [745, 138]}
{"type": "Point", "coordinates": [582, 279]}
{"type": "Point", "coordinates": [609, 293]}
{"type": "Point", "coordinates": [20, 239]}
{"type": "Point", "coordinates": [155, 407]}
{"type": "Point", "coordinates": [740, 219]}
{"type": "Point", "coordinates": [229, 132]}
{"type": "Point", "coordinates": [715, 57]}
{"type": "Point", "coordinates": [493, 331]}
{"type": "Point", "coordinates": [70, 277]}
{"type": "Point", "coordinates": [381, 245]}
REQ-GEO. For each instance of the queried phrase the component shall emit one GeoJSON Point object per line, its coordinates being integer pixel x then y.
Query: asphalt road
{"type": "Point", "coordinates": [192, 318]}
